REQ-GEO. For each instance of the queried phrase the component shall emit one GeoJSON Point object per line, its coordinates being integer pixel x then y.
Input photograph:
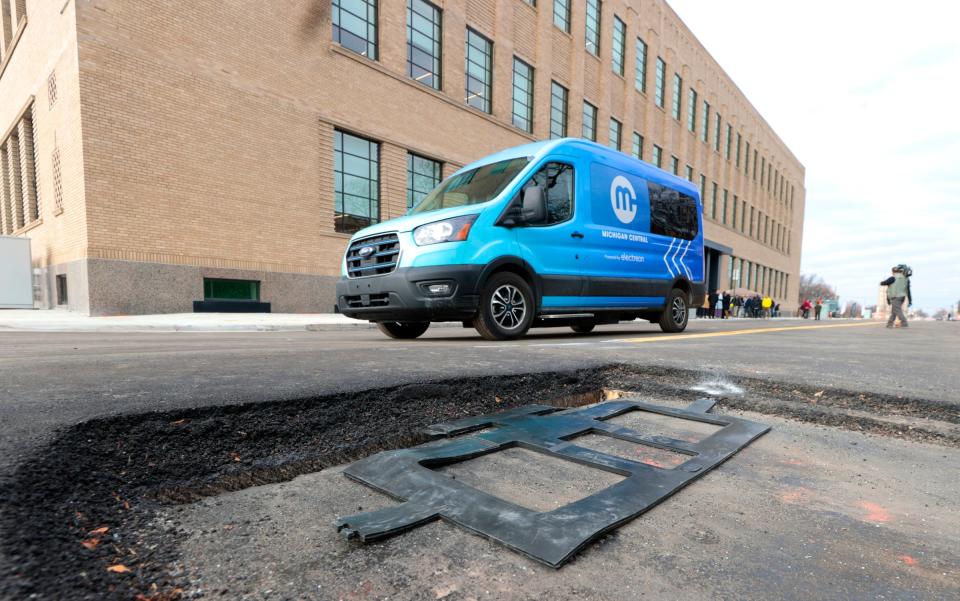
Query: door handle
{"type": "Point", "coordinates": [576, 235]}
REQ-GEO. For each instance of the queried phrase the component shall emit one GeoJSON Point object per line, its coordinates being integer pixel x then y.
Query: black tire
{"type": "Point", "coordinates": [404, 330]}
{"type": "Point", "coordinates": [676, 312]}
{"type": "Point", "coordinates": [511, 313]}
{"type": "Point", "coordinates": [583, 328]}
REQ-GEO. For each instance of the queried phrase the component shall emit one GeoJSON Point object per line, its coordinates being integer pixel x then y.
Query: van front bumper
{"type": "Point", "coordinates": [403, 295]}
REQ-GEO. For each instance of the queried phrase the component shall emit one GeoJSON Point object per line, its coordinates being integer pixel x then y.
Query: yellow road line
{"type": "Point", "coordinates": [750, 331]}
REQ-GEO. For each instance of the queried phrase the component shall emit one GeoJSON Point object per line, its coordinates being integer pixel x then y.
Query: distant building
{"type": "Point", "coordinates": [159, 153]}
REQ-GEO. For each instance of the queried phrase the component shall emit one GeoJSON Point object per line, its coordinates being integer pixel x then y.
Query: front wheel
{"type": "Point", "coordinates": [404, 330]}
{"type": "Point", "coordinates": [675, 314]}
{"type": "Point", "coordinates": [506, 308]}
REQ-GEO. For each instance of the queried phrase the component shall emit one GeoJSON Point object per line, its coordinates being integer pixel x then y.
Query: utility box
{"type": "Point", "coordinates": [16, 274]}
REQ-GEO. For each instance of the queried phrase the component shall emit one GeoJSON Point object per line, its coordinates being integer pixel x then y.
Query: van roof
{"type": "Point", "coordinates": [575, 146]}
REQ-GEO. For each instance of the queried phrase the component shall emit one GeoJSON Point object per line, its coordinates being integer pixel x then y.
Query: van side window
{"type": "Point", "coordinates": [672, 213]}
{"type": "Point", "coordinates": [556, 179]}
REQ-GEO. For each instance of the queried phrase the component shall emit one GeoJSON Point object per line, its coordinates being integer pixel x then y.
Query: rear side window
{"type": "Point", "coordinates": [672, 213]}
{"type": "Point", "coordinates": [556, 179]}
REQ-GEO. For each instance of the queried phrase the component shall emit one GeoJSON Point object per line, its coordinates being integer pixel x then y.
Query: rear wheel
{"type": "Point", "coordinates": [583, 328]}
{"type": "Point", "coordinates": [675, 314]}
{"type": "Point", "coordinates": [506, 308]}
{"type": "Point", "coordinates": [404, 330]}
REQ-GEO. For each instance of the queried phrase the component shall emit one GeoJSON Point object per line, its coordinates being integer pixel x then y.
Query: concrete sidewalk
{"type": "Point", "coordinates": [25, 320]}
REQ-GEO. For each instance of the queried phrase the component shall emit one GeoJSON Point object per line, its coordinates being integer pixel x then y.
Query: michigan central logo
{"type": "Point", "coordinates": [623, 199]}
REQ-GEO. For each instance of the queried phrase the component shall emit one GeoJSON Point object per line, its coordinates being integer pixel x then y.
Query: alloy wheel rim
{"type": "Point", "coordinates": [508, 306]}
{"type": "Point", "coordinates": [678, 310]}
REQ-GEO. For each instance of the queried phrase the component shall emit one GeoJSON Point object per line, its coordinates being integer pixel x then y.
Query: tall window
{"type": "Point", "coordinates": [713, 204]}
{"type": "Point", "coordinates": [561, 14]}
{"type": "Point", "coordinates": [660, 74]}
{"type": "Point", "coordinates": [558, 110]}
{"type": "Point", "coordinates": [733, 216]}
{"type": "Point", "coordinates": [703, 191]}
{"type": "Point", "coordinates": [593, 27]}
{"type": "Point", "coordinates": [739, 142]}
{"type": "Point", "coordinates": [716, 133]}
{"type": "Point", "coordinates": [423, 175]}
{"type": "Point", "coordinates": [692, 111]}
{"type": "Point", "coordinates": [636, 148]}
{"type": "Point", "coordinates": [755, 155]}
{"type": "Point", "coordinates": [589, 121]}
{"type": "Point", "coordinates": [674, 165]}
{"type": "Point", "coordinates": [522, 95]}
{"type": "Point", "coordinates": [751, 222]}
{"type": "Point", "coordinates": [424, 41]}
{"type": "Point", "coordinates": [657, 156]}
{"type": "Point", "coordinates": [689, 174]}
{"type": "Point", "coordinates": [19, 198]}
{"type": "Point", "coordinates": [723, 215]}
{"type": "Point", "coordinates": [616, 129]}
{"type": "Point", "coordinates": [677, 95]}
{"type": "Point", "coordinates": [746, 160]}
{"type": "Point", "coordinates": [356, 182]}
{"type": "Point", "coordinates": [619, 47]}
{"type": "Point", "coordinates": [706, 121]}
{"type": "Point", "coordinates": [640, 74]}
{"type": "Point", "coordinates": [355, 26]}
{"type": "Point", "coordinates": [729, 141]}
{"type": "Point", "coordinates": [479, 71]}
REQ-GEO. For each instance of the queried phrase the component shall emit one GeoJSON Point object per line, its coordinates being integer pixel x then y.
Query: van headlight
{"type": "Point", "coordinates": [448, 230]}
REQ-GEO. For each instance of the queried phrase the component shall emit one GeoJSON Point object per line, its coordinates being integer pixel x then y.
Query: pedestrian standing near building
{"type": "Point", "coordinates": [898, 291]}
{"type": "Point", "coordinates": [727, 305]}
{"type": "Point", "coordinates": [718, 306]}
{"type": "Point", "coordinates": [712, 306]}
{"type": "Point", "coordinates": [767, 305]}
{"type": "Point", "coordinates": [817, 309]}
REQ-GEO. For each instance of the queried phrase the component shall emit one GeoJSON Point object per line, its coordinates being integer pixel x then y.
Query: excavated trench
{"type": "Point", "coordinates": [88, 500]}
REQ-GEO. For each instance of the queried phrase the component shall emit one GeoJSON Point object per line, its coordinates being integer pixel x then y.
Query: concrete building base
{"type": "Point", "coordinates": [110, 287]}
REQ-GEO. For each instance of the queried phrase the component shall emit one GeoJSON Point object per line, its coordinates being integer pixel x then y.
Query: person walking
{"type": "Point", "coordinates": [805, 308]}
{"type": "Point", "coordinates": [712, 306]}
{"type": "Point", "coordinates": [726, 305]}
{"type": "Point", "coordinates": [898, 290]}
{"type": "Point", "coordinates": [817, 308]}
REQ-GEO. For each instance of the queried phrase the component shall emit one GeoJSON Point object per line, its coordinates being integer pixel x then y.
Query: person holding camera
{"type": "Point", "coordinates": [898, 290]}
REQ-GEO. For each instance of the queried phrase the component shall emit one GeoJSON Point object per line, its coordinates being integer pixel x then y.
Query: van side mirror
{"type": "Point", "coordinates": [534, 207]}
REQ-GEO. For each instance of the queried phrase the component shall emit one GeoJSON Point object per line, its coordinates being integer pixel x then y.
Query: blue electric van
{"type": "Point", "coordinates": [557, 233]}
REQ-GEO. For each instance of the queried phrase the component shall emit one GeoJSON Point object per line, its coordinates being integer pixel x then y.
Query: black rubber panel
{"type": "Point", "coordinates": [552, 537]}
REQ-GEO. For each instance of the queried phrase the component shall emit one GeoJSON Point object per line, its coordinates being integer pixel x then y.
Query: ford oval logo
{"type": "Point", "coordinates": [366, 251]}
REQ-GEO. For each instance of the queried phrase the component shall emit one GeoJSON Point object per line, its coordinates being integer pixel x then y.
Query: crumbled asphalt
{"type": "Point", "coordinates": [119, 472]}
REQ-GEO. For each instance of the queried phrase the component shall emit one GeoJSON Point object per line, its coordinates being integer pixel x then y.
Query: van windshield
{"type": "Point", "coordinates": [472, 187]}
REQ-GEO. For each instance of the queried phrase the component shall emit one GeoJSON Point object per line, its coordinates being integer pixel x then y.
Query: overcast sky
{"type": "Point", "coordinates": [867, 95]}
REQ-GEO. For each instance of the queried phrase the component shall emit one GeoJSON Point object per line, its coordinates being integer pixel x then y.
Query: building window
{"type": "Point", "coordinates": [692, 111]}
{"type": "Point", "coordinates": [703, 191]}
{"type": "Point", "coordinates": [355, 26]}
{"type": "Point", "coordinates": [640, 64]}
{"type": "Point", "coordinates": [424, 42]}
{"type": "Point", "coordinates": [356, 182]}
{"type": "Point", "coordinates": [751, 222]}
{"type": "Point", "coordinates": [57, 174]}
{"type": "Point", "coordinates": [561, 14]}
{"type": "Point", "coordinates": [713, 203]}
{"type": "Point", "coordinates": [743, 217]}
{"type": "Point", "coordinates": [689, 174]}
{"type": "Point", "coordinates": [755, 155]}
{"type": "Point", "coordinates": [52, 89]}
{"type": "Point", "coordinates": [716, 133]}
{"type": "Point", "coordinates": [619, 47]}
{"type": "Point", "coordinates": [746, 160]}
{"type": "Point", "coordinates": [723, 215]}
{"type": "Point", "coordinates": [423, 175]}
{"type": "Point", "coordinates": [616, 128]}
{"type": "Point", "coordinates": [62, 296]}
{"type": "Point", "coordinates": [659, 75]}
{"type": "Point", "coordinates": [674, 165]}
{"type": "Point", "coordinates": [237, 290]}
{"type": "Point", "coordinates": [706, 121]}
{"type": "Point", "coordinates": [479, 71]}
{"type": "Point", "coordinates": [522, 95]}
{"type": "Point", "coordinates": [558, 110]}
{"type": "Point", "coordinates": [593, 27]}
{"type": "Point", "coordinates": [733, 216]}
{"type": "Point", "coordinates": [728, 143]}
{"type": "Point", "coordinates": [636, 148]}
{"type": "Point", "coordinates": [657, 156]}
{"type": "Point", "coordinates": [589, 121]}
{"type": "Point", "coordinates": [677, 95]}
{"type": "Point", "coordinates": [739, 141]}
{"type": "Point", "coordinates": [19, 199]}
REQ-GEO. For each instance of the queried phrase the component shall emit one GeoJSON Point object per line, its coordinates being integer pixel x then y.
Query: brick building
{"type": "Point", "coordinates": [159, 153]}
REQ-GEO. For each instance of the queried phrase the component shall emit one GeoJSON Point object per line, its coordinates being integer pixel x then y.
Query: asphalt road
{"type": "Point", "coordinates": [53, 380]}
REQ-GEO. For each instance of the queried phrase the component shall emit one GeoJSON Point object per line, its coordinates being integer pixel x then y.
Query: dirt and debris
{"type": "Point", "coordinates": [104, 480]}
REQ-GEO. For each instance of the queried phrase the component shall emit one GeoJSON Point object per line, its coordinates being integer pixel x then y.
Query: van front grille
{"type": "Point", "coordinates": [381, 259]}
